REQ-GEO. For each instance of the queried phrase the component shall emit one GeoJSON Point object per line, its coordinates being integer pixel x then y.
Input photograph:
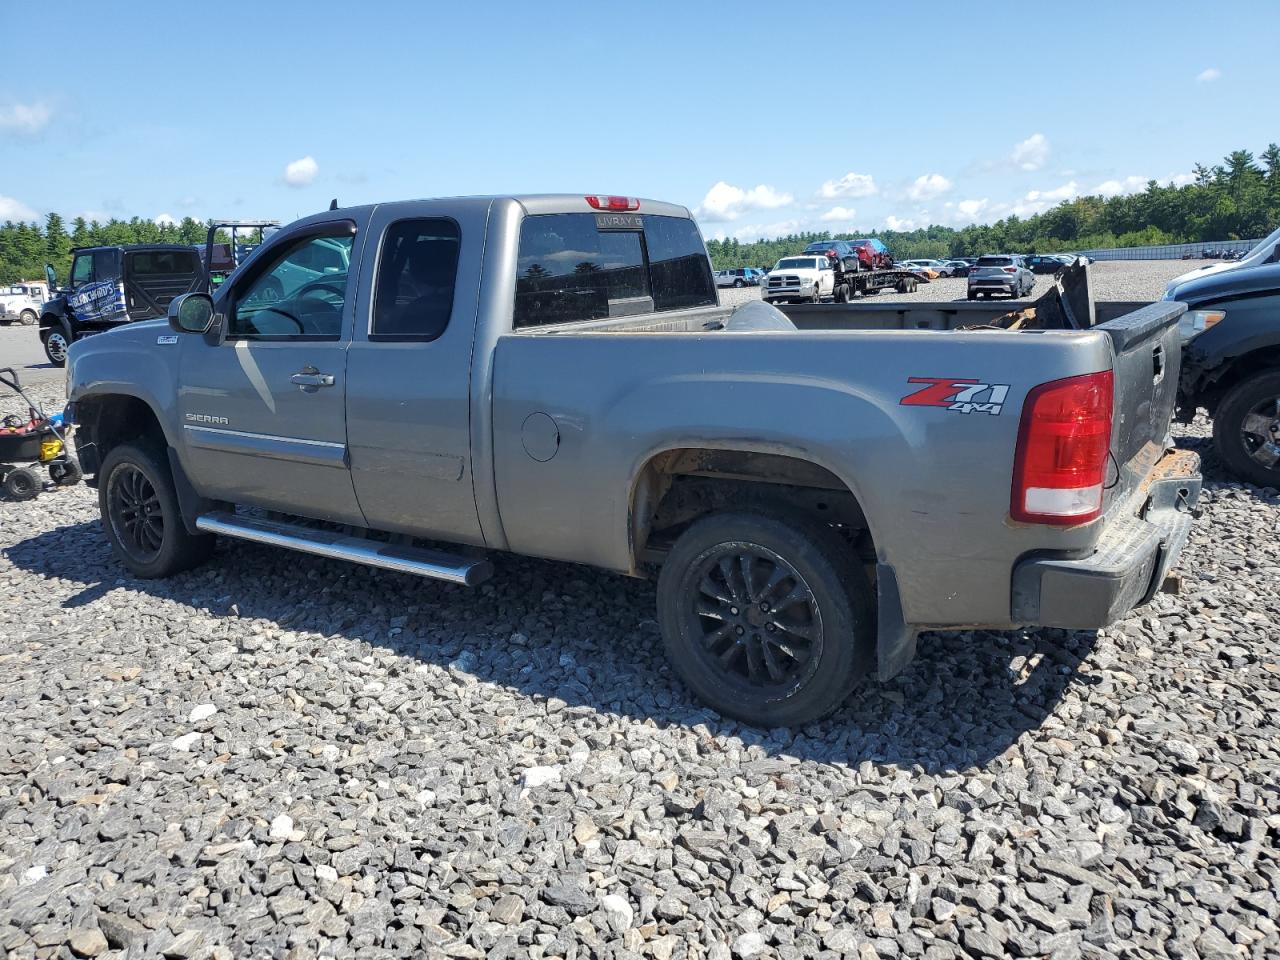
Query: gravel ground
{"type": "Point", "coordinates": [1111, 280]}
{"type": "Point", "coordinates": [279, 755]}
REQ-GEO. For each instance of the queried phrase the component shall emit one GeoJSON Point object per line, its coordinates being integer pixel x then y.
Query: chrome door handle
{"type": "Point", "coordinates": [312, 379]}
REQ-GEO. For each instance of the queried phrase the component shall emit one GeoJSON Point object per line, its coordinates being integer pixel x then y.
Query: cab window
{"type": "Point", "coordinates": [82, 269]}
{"type": "Point", "coordinates": [417, 270]}
{"type": "Point", "coordinates": [298, 294]}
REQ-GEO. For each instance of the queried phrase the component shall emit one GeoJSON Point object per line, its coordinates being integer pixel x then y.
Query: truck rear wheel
{"type": "Point", "coordinates": [141, 516]}
{"type": "Point", "coordinates": [1246, 429]}
{"type": "Point", "coordinates": [767, 617]}
{"type": "Point", "coordinates": [27, 317]}
{"type": "Point", "coordinates": [56, 341]}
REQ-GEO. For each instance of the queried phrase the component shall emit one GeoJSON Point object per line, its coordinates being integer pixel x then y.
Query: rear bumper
{"type": "Point", "coordinates": [1128, 565]}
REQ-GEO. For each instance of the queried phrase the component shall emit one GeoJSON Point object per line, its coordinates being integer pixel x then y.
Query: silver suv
{"type": "Point", "coordinates": [1001, 273]}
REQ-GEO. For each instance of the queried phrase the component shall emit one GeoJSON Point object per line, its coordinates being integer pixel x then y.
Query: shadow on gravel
{"type": "Point", "coordinates": [552, 631]}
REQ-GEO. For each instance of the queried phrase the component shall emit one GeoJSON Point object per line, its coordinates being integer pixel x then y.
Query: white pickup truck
{"type": "Point", "coordinates": [20, 303]}
{"type": "Point", "coordinates": [803, 279]}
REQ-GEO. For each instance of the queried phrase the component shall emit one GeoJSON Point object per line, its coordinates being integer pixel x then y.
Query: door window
{"type": "Point", "coordinates": [82, 269]}
{"type": "Point", "coordinates": [417, 270]}
{"type": "Point", "coordinates": [299, 293]}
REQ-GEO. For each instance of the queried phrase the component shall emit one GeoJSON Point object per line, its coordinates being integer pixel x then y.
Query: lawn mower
{"type": "Point", "coordinates": [39, 440]}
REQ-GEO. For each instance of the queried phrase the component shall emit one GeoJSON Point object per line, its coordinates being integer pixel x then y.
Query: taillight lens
{"type": "Point", "coordinates": [613, 203]}
{"type": "Point", "coordinates": [1063, 445]}
{"type": "Point", "coordinates": [1010, 269]}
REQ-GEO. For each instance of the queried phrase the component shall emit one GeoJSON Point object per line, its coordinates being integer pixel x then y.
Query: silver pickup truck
{"type": "Point", "coordinates": [420, 385]}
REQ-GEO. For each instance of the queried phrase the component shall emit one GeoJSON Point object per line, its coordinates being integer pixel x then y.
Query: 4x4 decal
{"type": "Point", "coordinates": [959, 394]}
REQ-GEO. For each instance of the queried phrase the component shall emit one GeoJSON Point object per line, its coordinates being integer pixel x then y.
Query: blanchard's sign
{"type": "Point", "coordinates": [101, 300]}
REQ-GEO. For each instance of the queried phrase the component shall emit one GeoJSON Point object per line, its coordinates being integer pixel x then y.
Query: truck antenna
{"type": "Point", "coordinates": [333, 204]}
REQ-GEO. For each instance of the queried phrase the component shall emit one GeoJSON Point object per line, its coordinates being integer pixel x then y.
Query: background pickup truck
{"type": "Point", "coordinates": [553, 376]}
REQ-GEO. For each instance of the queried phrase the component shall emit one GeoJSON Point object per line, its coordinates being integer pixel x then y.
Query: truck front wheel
{"type": "Point", "coordinates": [27, 317]}
{"type": "Point", "coordinates": [767, 617]}
{"type": "Point", "coordinates": [141, 517]}
{"type": "Point", "coordinates": [1246, 429]}
{"type": "Point", "coordinates": [56, 341]}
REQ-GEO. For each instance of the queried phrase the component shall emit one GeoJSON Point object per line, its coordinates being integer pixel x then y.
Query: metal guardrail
{"type": "Point", "coordinates": [1170, 251]}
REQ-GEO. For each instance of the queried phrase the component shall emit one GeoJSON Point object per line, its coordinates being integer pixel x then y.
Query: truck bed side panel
{"type": "Point", "coordinates": [934, 482]}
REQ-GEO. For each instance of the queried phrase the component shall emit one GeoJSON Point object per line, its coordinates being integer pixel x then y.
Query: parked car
{"type": "Point", "coordinates": [1000, 273]}
{"type": "Point", "coordinates": [959, 268]}
{"type": "Point", "coordinates": [114, 285]}
{"type": "Point", "coordinates": [921, 268]}
{"type": "Point", "coordinates": [800, 279]}
{"type": "Point", "coordinates": [854, 254]}
{"type": "Point", "coordinates": [1231, 365]}
{"type": "Point", "coordinates": [738, 277]}
{"type": "Point", "coordinates": [553, 376]}
{"type": "Point", "coordinates": [21, 302]}
{"type": "Point", "coordinates": [942, 268]}
{"type": "Point", "coordinates": [1266, 251]}
{"type": "Point", "coordinates": [1044, 263]}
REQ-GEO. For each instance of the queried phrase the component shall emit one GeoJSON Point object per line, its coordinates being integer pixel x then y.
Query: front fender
{"type": "Point", "coordinates": [115, 364]}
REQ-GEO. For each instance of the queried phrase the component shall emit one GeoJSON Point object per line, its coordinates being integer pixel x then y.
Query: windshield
{"type": "Point", "coordinates": [1264, 251]}
{"type": "Point", "coordinates": [796, 263]}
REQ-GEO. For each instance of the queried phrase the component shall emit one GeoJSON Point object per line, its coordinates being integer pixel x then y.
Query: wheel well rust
{"type": "Point", "coordinates": [678, 486]}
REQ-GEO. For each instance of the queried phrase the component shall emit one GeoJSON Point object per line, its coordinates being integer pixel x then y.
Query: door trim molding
{"type": "Point", "coordinates": [319, 453]}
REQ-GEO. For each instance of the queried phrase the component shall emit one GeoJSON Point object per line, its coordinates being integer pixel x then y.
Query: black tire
{"type": "Point", "coordinates": [21, 483]}
{"type": "Point", "coordinates": [141, 517]}
{"type": "Point", "coordinates": [27, 317]}
{"type": "Point", "coordinates": [823, 575]}
{"type": "Point", "coordinates": [1246, 429]}
{"type": "Point", "coordinates": [842, 293]}
{"type": "Point", "coordinates": [737, 283]}
{"type": "Point", "coordinates": [65, 472]}
{"type": "Point", "coordinates": [972, 295]}
{"type": "Point", "coordinates": [56, 340]}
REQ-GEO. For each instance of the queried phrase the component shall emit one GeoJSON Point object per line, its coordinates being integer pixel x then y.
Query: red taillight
{"type": "Point", "coordinates": [1010, 269]}
{"type": "Point", "coordinates": [613, 203]}
{"type": "Point", "coordinates": [1063, 446]}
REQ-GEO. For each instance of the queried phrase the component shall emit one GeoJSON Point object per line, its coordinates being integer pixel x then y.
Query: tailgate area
{"type": "Point", "coordinates": [1129, 564]}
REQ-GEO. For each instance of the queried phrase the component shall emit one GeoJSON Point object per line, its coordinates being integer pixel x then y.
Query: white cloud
{"type": "Point", "coordinates": [727, 202]}
{"type": "Point", "coordinates": [971, 208]}
{"type": "Point", "coordinates": [929, 185]}
{"type": "Point", "coordinates": [1064, 192]}
{"type": "Point", "coordinates": [839, 213]}
{"type": "Point", "coordinates": [300, 173]}
{"type": "Point", "coordinates": [850, 185]}
{"type": "Point", "coordinates": [1115, 188]}
{"type": "Point", "coordinates": [25, 118]}
{"type": "Point", "coordinates": [1182, 179]}
{"type": "Point", "coordinates": [896, 223]}
{"type": "Point", "coordinates": [11, 209]}
{"type": "Point", "coordinates": [766, 231]}
{"type": "Point", "coordinates": [1209, 75]}
{"type": "Point", "coordinates": [165, 218]}
{"type": "Point", "coordinates": [1032, 153]}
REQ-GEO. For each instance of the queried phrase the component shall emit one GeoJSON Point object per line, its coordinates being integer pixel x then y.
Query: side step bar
{"type": "Point", "coordinates": [324, 543]}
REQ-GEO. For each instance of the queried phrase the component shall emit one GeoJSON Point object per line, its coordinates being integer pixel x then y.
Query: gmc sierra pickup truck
{"type": "Point", "coordinates": [554, 376]}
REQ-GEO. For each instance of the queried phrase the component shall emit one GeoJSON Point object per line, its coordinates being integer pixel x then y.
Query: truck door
{"type": "Point", "coordinates": [262, 403]}
{"type": "Point", "coordinates": [409, 370]}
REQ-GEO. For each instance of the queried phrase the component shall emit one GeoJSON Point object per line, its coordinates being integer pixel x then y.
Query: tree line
{"type": "Point", "coordinates": [1238, 199]}
{"type": "Point", "coordinates": [26, 247]}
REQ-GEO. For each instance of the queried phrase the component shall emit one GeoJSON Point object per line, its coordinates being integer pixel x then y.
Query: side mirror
{"type": "Point", "coordinates": [50, 277]}
{"type": "Point", "coordinates": [191, 313]}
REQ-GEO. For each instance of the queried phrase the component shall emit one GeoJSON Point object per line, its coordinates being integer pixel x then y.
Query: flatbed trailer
{"type": "Point", "coordinates": [867, 282]}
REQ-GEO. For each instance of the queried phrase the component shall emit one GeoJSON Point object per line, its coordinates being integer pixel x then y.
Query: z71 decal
{"type": "Point", "coordinates": [960, 395]}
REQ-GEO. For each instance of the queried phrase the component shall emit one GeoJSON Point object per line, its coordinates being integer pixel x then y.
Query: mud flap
{"type": "Point", "coordinates": [895, 638]}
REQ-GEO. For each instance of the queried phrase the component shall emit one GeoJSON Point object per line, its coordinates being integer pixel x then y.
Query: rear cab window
{"type": "Point", "coordinates": [161, 263]}
{"type": "Point", "coordinates": [586, 266]}
{"type": "Point", "coordinates": [995, 261]}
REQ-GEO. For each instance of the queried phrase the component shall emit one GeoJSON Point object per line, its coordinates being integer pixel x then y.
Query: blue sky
{"type": "Point", "coordinates": [975, 111]}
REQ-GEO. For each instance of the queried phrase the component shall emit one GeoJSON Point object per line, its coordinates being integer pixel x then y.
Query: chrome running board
{"type": "Point", "coordinates": [435, 564]}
